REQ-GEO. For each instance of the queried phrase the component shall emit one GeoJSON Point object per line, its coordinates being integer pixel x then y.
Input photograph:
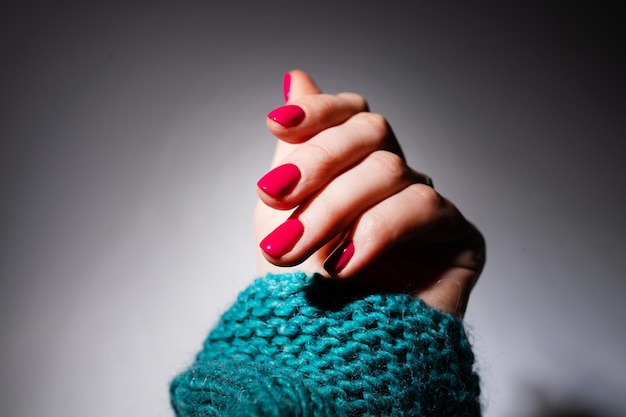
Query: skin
{"type": "Point", "coordinates": [355, 186]}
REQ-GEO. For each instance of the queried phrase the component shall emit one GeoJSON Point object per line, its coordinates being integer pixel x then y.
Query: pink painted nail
{"type": "Point", "coordinates": [283, 238]}
{"type": "Point", "coordinates": [339, 258]}
{"type": "Point", "coordinates": [287, 116]}
{"type": "Point", "coordinates": [280, 181]}
{"type": "Point", "coordinates": [286, 86]}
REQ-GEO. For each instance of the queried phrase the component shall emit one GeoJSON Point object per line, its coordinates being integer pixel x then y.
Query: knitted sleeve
{"type": "Point", "coordinates": [295, 345]}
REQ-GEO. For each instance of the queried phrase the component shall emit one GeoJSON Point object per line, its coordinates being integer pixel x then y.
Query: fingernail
{"type": "Point", "coordinates": [339, 258]}
{"type": "Point", "coordinates": [286, 86]}
{"type": "Point", "coordinates": [283, 238]}
{"type": "Point", "coordinates": [287, 116]}
{"type": "Point", "coordinates": [279, 181]}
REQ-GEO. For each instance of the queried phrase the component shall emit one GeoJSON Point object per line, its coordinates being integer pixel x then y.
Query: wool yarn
{"type": "Point", "coordinates": [298, 345]}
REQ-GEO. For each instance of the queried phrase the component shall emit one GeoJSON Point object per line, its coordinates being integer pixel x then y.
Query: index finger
{"type": "Point", "coordinates": [308, 115]}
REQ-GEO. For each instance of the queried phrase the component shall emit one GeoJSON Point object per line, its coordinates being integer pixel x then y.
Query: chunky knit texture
{"type": "Point", "coordinates": [294, 345]}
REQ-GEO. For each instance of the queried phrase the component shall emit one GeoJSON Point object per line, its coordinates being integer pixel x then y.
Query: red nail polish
{"type": "Point", "coordinates": [283, 238]}
{"type": "Point", "coordinates": [339, 258]}
{"type": "Point", "coordinates": [286, 86]}
{"type": "Point", "coordinates": [287, 116]}
{"type": "Point", "coordinates": [280, 181]}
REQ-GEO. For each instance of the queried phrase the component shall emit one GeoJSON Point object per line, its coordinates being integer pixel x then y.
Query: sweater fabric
{"type": "Point", "coordinates": [298, 345]}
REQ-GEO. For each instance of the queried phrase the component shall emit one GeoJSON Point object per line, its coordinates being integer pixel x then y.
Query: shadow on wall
{"type": "Point", "coordinates": [546, 404]}
{"type": "Point", "coordinates": [571, 410]}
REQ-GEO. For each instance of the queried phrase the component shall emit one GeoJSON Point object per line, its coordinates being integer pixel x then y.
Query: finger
{"type": "Point", "coordinates": [308, 115]}
{"type": "Point", "coordinates": [297, 83]}
{"type": "Point", "coordinates": [313, 164]}
{"type": "Point", "coordinates": [399, 218]}
{"type": "Point", "coordinates": [416, 213]}
{"type": "Point", "coordinates": [332, 211]}
{"type": "Point", "coordinates": [451, 293]}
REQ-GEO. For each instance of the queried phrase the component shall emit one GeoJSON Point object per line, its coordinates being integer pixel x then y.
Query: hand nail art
{"type": "Point", "coordinates": [339, 258]}
{"type": "Point", "coordinates": [280, 181]}
{"type": "Point", "coordinates": [286, 86]}
{"type": "Point", "coordinates": [287, 116]}
{"type": "Point", "coordinates": [283, 238]}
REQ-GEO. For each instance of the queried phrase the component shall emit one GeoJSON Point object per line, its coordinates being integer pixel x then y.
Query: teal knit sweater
{"type": "Point", "coordinates": [294, 345]}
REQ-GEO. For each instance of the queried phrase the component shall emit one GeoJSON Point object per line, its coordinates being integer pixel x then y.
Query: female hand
{"type": "Point", "coordinates": [340, 200]}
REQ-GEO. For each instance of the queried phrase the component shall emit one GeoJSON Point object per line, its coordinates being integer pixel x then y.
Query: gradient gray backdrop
{"type": "Point", "coordinates": [132, 137]}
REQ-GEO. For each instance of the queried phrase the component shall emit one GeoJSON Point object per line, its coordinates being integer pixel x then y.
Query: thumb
{"type": "Point", "coordinates": [297, 83]}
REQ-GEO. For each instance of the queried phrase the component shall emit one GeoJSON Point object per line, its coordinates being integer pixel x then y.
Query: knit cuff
{"type": "Point", "coordinates": [295, 345]}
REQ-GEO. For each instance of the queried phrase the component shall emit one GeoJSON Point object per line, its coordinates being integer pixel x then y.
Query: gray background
{"type": "Point", "coordinates": [132, 137]}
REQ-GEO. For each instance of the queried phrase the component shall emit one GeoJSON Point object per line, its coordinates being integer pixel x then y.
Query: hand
{"type": "Point", "coordinates": [340, 200]}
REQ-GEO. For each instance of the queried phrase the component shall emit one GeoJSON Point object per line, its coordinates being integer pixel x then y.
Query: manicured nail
{"type": "Point", "coordinates": [287, 116]}
{"type": "Point", "coordinates": [286, 86]}
{"type": "Point", "coordinates": [339, 258]}
{"type": "Point", "coordinates": [283, 238]}
{"type": "Point", "coordinates": [280, 181]}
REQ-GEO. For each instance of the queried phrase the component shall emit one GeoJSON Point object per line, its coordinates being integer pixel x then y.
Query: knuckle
{"type": "Point", "coordinates": [375, 225]}
{"type": "Point", "coordinates": [326, 104]}
{"type": "Point", "coordinates": [373, 122]}
{"type": "Point", "coordinates": [389, 164]}
{"type": "Point", "coordinates": [326, 207]}
{"type": "Point", "coordinates": [430, 202]}
{"type": "Point", "coordinates": [356, 100]}
{"type": "Point", "coordinates": [324, 155]}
